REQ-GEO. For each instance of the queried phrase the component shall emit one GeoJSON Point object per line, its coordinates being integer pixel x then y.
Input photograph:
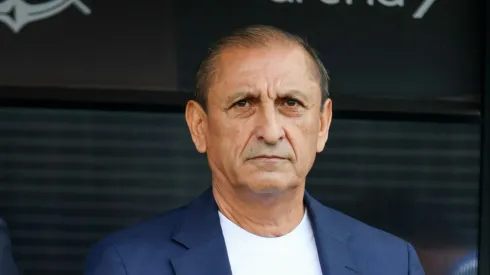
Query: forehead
{"type": "Point", "coordinates": [274, 65]}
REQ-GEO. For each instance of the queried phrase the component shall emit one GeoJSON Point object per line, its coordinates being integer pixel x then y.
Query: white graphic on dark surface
{"type": "Point", "coordinates": [17, 13]}
{"type": "Point", "coordinates": [422, 9]}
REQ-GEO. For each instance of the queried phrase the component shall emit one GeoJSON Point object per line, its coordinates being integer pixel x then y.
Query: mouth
{"type": "Point", "coordinates": [268, 157]}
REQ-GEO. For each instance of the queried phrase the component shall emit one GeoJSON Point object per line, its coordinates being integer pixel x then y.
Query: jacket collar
{"type": "Point", "coordinates": [332, 237]}
{"type": "Point", "coordinates": [200, 232]}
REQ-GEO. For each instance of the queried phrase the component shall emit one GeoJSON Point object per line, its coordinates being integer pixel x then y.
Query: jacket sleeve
{"type": "Point", "coordinates": [104, 260]}
{"type": "Point", "coordinates": [7, 264]}
{"type": "Point", "coordinates": [414, 265]}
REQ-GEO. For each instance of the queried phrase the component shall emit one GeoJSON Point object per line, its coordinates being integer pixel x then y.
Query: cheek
{"type": "Point", "coordinates": [229, 139]}
{"type": "Point", "coordinates": [303, 136]}
{"type": "Point", "coordinates": [239, 138]}
{"type": "Point", "coordinates": [310, 130]}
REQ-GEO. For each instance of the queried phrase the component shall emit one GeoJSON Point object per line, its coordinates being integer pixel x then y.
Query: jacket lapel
{"type": "Point", "coordinates": [332, 240]}
{"type": "Point", "coordinates": [200, 232]}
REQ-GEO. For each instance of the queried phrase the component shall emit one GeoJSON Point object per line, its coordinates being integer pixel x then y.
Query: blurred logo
{"type": "Point", "coordinates": [422, 9]}
{"type": "Point", "coordinates": [17, 13]}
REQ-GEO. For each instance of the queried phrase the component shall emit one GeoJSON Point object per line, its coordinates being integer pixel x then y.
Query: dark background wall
{"type": "Point", "coordinates": [92, 135]}
{"type": "Point", "coordinates": [71, 176]}
{"type": "Point", "coordinates": [159, 44]}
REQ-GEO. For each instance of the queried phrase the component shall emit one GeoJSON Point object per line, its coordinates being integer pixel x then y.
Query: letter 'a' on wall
{"type": "Point", "coordinates": [420, 49]}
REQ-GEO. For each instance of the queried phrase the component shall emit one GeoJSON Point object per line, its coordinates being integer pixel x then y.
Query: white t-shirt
{"type": "Point", "coordinates": [293, 253]}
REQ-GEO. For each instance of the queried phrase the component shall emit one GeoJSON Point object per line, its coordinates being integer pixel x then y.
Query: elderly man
{"type": "Point", "coordinates": [7, 264]}
{"type": "Point", "coordinates": [261, 115]}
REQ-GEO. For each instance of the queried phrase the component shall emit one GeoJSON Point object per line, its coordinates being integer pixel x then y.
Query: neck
{"type": "Point", "coordinates": [267, 215]}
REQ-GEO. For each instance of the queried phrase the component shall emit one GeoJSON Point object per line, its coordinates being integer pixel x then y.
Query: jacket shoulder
{"type": "Point", "coordinates": [379, 252]}
{"type": "Point", "coordinates": [7, 263]}
{"type": "Point", "coordinates": [139, 243]}
{"type": "Point", "coordinates": [361, 230]}
{"type": "Point", "coordinates": [157, 228]}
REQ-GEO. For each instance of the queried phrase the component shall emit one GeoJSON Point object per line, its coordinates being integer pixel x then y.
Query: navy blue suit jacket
{"type": "Point", "coordinates": [189, 241]}
{"type": "Point", "coordinates": [7, 264]}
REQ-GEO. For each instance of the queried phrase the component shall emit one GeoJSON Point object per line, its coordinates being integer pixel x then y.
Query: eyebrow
{"type": "Point", "coordinates": [293, 93]}
{"type": "Point", "coordinates": [241, 95]}
{"type": "Point", "coordinates": [251, 94]}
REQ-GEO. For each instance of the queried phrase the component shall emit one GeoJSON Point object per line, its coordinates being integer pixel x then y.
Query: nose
{"type": "Point", "coordinates": [269, 129]}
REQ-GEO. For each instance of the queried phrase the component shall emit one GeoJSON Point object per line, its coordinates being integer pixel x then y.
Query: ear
{"type": "Point", "coordinates": [325, 120]}
{"type": "Point", "coordinates": [196, 119]}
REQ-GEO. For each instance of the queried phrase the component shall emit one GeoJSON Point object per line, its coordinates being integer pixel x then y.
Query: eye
{"type": "Point", "coordinates": [290, 102]}
{"type": "Point", "coordinates": [241, 103]}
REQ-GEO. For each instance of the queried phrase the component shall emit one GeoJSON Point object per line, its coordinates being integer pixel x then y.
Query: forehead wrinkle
{"type": "Point", "coordinates": [252, 76]}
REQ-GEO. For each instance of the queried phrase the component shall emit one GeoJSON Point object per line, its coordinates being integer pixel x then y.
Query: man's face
{"type": "Point", "coordinates": [264, 123]}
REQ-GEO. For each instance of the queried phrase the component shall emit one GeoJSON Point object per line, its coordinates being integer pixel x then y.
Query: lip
{"type": "Point", "coordinates": [268, 157]}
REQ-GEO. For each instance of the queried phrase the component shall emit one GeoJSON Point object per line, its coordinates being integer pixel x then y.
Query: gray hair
{"type": "Point", "coordinates": [253, 36]}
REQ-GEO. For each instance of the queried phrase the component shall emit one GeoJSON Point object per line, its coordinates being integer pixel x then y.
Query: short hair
{"type": "Point", "coordinates": [254, 36]}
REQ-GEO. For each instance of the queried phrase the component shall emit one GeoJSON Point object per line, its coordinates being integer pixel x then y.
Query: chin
{"type": "Point", "coordinates": [270, 183]}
